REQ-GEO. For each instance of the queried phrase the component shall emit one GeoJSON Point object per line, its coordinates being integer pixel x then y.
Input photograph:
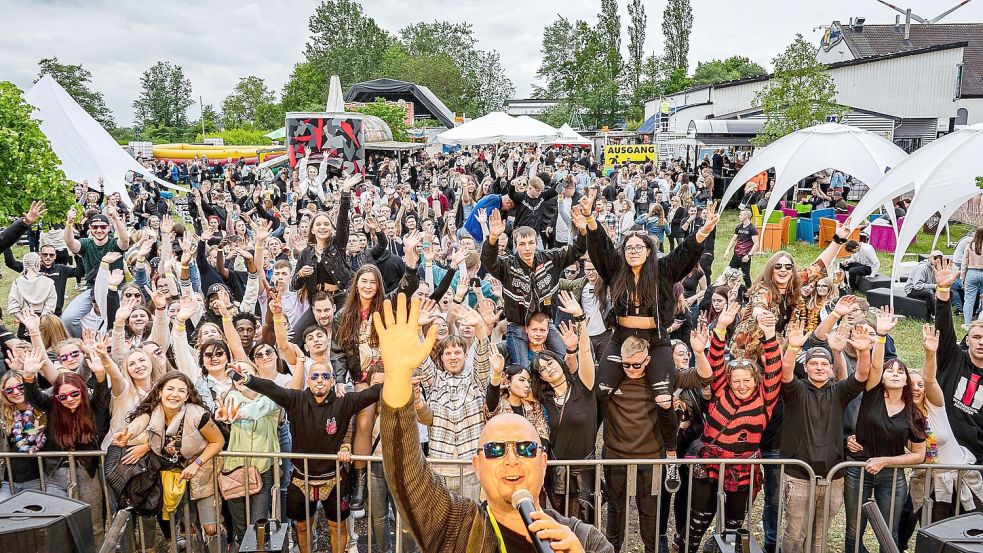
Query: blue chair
{"type": "Point", "coordinates": [806, 230]}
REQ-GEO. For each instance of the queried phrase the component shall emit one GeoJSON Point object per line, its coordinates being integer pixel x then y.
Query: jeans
{"type": "Point", "coordinates": [286, 467]}
{"type": "Point", "coordinates": [518, 343]}
{"type": "Point", "coordinates": [882, 486]}
{"type": "Point", "coordinates": [74, 311]}
{"type": "Point", "coordinates": [259, 506]}
{"type": "Point", "coordinates": [797, 523]}
{"type": "Point", "coordinates": [974, 281]}
{"type": "Point", "coordinates": [35, 484]}
{"type": "Point", "coordinates": [956, 292]}
{"type": "Point", "coordinates": [772, 490]}
{"type": "Point", "coordinates": [381, 505]}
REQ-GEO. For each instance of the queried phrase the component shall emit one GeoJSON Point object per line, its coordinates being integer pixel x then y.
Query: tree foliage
{"type": "Point", "coordinates": [677, 22]}
{"type": "Point", "coordinates": [29, 169]}
{"type": "Point", "coordinates": [306, 89]}
{"type": "Point", "coordinates": [636, 45]}
{"type": "Point", "coordinates": [730, 69]}
{"type": "Point", "coordinates": [345, 42]}
{"type": "Point", "coordinates": [800, 94]}
{"type": "Point", "coordinates": [77, 82]}
{"type": "Point", "coordinates": [557, 68]}
{"type": "Point", "coordinates": [248, 101]}
{"type": "Point", "coordinates": [393, 115]}
{"type": "Point", "coordinates": [438, 72]}
{"type": "Point", "coordinates": [165, 97]}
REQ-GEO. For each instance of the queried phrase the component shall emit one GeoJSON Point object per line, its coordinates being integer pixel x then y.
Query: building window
{"type": "Point", "coordinates": [908, 143]}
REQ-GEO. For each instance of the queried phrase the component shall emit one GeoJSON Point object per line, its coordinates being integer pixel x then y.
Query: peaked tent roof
{"type": "Point", "coordinates": [392, 89]}
{"type": "Point", "coordinates": [878, 40]}
{"type": "Point", "coordinates": [85, 149]}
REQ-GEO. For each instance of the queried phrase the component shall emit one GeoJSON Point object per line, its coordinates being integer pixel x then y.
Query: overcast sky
{"type": "Point", "coordinates": [218, 41]}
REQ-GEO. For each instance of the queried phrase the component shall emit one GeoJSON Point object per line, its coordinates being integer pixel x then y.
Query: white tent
{"type": "Point", "coordinates": [497, 127]}
{"type": "Point", "coordinates": [943, 175]}
{"type": "Point", "coordinates": [862, 154]}
{"type": "Point", "coordinates": [85, 149]}
{"type": "Point", "coordinates": [569, 136]}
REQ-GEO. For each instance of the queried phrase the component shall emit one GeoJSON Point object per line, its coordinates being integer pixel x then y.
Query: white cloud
{"type": "Point", "coordinates": [218, 41]}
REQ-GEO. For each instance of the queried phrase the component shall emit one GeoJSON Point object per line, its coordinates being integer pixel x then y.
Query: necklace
{"type": "Point", "coordinates": [561, 399]}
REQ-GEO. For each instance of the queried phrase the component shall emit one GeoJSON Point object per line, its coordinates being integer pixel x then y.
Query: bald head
{"type": "Point", "coordinates": [508, 427]}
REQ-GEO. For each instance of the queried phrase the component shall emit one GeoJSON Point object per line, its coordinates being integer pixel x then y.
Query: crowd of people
{"type": "Point", "coordinates": [580, 303]}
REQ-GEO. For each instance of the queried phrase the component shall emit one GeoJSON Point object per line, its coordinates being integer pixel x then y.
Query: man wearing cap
{"type": "Point", "coordinates": [92, 250]}
{"type": "Point", "coordinates": [921, 282]}
{"type": "Point", "coordinates": [812, 432]}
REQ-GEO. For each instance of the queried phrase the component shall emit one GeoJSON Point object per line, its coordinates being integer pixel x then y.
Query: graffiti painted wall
{"type": "Point", "coordinates": [326, 135]}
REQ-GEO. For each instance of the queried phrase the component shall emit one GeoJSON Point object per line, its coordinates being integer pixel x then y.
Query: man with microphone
{"type": "Point", "coordinates": [510, 463]}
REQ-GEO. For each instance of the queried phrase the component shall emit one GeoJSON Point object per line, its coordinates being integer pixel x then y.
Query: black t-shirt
{"type": "Point", "coordinates": [573, 425]}
{"type": "Point", "coordinates": [516, 543]}
{"type": "Point", "coordinates": [745, 239]}
{"type": "Point", "coordinates": [881, 435]}
{"type": "Point", "coordinates": [813, 422]}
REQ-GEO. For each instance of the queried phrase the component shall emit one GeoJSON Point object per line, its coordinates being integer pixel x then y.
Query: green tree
{"type": "Point", "coordinates": [306, 89]}
{"type": "Point", "coordinates": [77, 82]}
{"type": "Point", "coordinates": [558, 48]}
{"type": "Point", "coordinates": [165, 97]}
{"type": "Point", "coordinates": [393, 115]}
{"type": "Point", "coordinates": [677, 22]}
{"type": "Point", "coordinates": [484, 85]}
{"type": "Point", "coordinates": [676, 80]}
{"type": "Point", "coordinates": [801, 93]}
{"type": "Point", "coordinates": [438, 72]}
{"type": "Point", "coordinates": [211, 118]}
{"type": "Point", "coordinates": [345, 42]}
{"type": "Point", "coordinates": [636, 45]}
{"type": "Point", "coordinates": [242, 106]}
{"type": "Point", "coordinates": [730, 69]}
{"type": "Point", "coordinates": [29, 169]}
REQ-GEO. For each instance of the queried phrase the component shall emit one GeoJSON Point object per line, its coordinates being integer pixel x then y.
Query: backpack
{"type": "Point", "coordinates": [138, 485]}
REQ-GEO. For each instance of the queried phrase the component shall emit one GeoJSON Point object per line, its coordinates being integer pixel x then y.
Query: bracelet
{"type": "Point", "coordinates": [141, 260]}
{"type": "Point", "coordinates": [199, 462]}
{"type": "Point", "coordinates": [881, 339]}
{"type": "Point", "coordinates": [838, 240]}
{"type": "Point", "coordinates": [185, 267]}
{"type": "Point", "coordinates": [226, 319]}
{"type": "Point", "coordinates": [573, 351]}
{"type": "Point", "coordinates": [835, 315]}
{"type": "Point", "coordinates": [943, 289]}
{"type": "Point", "coordinates": [278, 319]}
{"type": "Point", "coordinates": [580, 319]}
{"type": "Point", "coordinates": [722, 334]}
{"type": "Point", "coordinates": [345, 447]}
{"type": "Point", "coordinates": [793, 348]}
{"type": "Point", "coordinates": [458, 301]}
{"type": "Point", "coordinates": [179, 327]}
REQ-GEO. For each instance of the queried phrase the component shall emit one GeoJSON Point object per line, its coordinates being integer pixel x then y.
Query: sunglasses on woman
{"type": "Point", "coordinates": [16, 388]}
{"type": "Point", "coordinates": [786, 266]}
{"type": "Point", "coordinates": [742, 363]}
{"type": "Point", "coordinates": [265, 353]}
{"type": "Point", "coordinates": [73, 394]}
{"type": "Point", "coordinates": [496, 450]}
{"type": "Point", "coordinates": [214, 353]}
{"type": "Point", "coordinates": [66, 356]}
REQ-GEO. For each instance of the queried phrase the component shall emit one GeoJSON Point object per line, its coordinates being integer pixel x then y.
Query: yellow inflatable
{"type": "Point", "coordinates": [213, 153]}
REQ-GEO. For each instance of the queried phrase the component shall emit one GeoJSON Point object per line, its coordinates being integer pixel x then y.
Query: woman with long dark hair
{"type": "Point", "coordinates": [565, 389]}
{"type": "Point", "coordinates": [889, 422]}
{"type": "Point", "coordinates": [355, 348]}
{"type": "Point", "coordinates": [72, 426]}
{"type": "Point", "coordinates": [322, 264]}
{"type": "Point", "coordinates": [641, 291]}
{"type": "Point", "coordinates": [181, 431]}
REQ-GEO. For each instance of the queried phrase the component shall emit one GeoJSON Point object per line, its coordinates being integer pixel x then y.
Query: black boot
{"type": "Point", "coordinates": [358, 498]}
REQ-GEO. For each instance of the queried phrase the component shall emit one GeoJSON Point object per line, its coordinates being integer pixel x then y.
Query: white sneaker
{"type": "Point", "coordinates": [672, 478]}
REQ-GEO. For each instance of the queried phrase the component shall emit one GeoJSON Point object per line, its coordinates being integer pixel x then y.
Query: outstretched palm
{"type": "Point", "coordinates": [400, 345]}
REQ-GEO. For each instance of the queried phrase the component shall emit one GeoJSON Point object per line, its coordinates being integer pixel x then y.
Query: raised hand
{"type": "Point", "coordinates": [945, 273]}
{"type": "Point", "coordinates": [482, 215]}
{"type": "Point", "coordinates": [112, 257]}
{"type": "Point", "coordinates": [699, 337]}
{"type": "Point", "coordinates": [837, 340]}
{"type": "Point", "coordinates": [429, 312]}
{"type": "Point", "coordinates": [843, 230]}
{"type": "Point", "coordinates": [844, 305]}
{"type": "Point", "coordinates": [305, 271]}
{"type": "Point", "coordinates": [157, 296]}
{"type": "Point", "coordinates": [496, 225]}
{"type": "Point", "coordinates": [712, 218]}
{"type": "Point", "coordinates": [410, 243]}
{"type": "Point", "coordinates": [350, 182]}
{"type": "Point", "coordinates": [116, 277]}
{"type": "Point", "coordinates": [70, 217]}
{"type": "Point", "coordinates": [489, 312]}
{"type": "Point", "coordinates": [400, 345]}
{"type": "Point", "coordinates": [885, 321]}
{"type": "Point", "coordinates": [33, 362]}
{"type": "Point", "coordinates": [568, 332]}
{"type": "Point", "coordinates": [930, 339]}
{"type": "Point", "coordinates": [187, 308]}
{"type": "Point", "coordinates": [224, 304]}
{"type": "Point", "coordinates": [497, 363]}
{"type": "Point", "coordinates": [795, 333]}
{"type": "Point", "coordinates": [860, 338]}
{"type": "Point", "coordinates": [36, 212]}
{"type": "Point", "coordinates": [767, 322]}
{"type": "Point", "coordinates": [570, 305]}
{"type": "Point", "coordinates": [727, 316]}
{"type": "Point", "coordinates": [30, 320]}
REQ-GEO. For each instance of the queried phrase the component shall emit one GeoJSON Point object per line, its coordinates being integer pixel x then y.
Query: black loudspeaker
{"type": "Point", "coordinates": [962, 534]}
{"type": "Point", "coordinates": [37, 522]}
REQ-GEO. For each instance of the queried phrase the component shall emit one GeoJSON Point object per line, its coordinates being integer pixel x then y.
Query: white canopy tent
{"type": "Point", "coordinates": [943, 175]}
{"type": "Point", "coordinates": [497, 127]}
{"type": "Point", "coordinates": [857, 152]}
{"type": "Point", "coordinates": [85, 149]}
{"type": "Point", "coordinates": [569, 136]}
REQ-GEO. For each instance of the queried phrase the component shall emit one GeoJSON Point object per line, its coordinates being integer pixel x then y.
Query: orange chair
{"type": "Point", "coordinates": [827, 230]}
{"type": "Point", "coordinates": [774, 236]}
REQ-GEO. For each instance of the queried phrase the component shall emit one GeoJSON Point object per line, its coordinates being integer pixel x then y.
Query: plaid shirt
{"type": "Point", "coordinates": [457, 402]}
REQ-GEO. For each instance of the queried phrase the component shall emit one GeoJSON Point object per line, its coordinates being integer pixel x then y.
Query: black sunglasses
{"type": "Point", "coordinates": [786, 266]}
{"type": "Point", "coordinates": [635, 366]}
{"type": "Point", "coordinates": [496, 450]}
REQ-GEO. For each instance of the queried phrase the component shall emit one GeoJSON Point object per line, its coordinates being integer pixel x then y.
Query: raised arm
{"type": "Point", "coordinates": [828, 256]}
{"type": "Point", "coordinates": [945, 275]}
{"type": "Point", "coordinates": [698, 339]}
{"type": "Point", "coordinates": [70, 241]}
{"type": "Point", "coordinates": [796, 337]}
{"type": "Point", "coordinates": [930, 341]}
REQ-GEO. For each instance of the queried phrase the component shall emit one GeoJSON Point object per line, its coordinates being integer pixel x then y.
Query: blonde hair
{"type": "Point", "coordinates": [633, 345]}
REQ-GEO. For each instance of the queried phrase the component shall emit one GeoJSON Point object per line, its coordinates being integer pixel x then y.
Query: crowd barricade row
{"type": "Point", "coordinates": [145, 538]}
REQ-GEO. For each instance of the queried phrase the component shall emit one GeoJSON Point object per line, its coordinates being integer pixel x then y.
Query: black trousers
{"type": "Point", "coordinates": [854, 272]}
{"type": "Point", "coordinates": [616, 478]}
{"type": "Point", "coordinates": [704, 507]}
{"type": "Point", "coordinates": [737, 262]}
{"type": "Point", "coordinates": [927, 296]}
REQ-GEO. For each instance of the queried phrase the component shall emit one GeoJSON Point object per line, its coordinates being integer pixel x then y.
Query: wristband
{"type": "Point", "coordinates": [199, 462]}
{"type": "Point", "coordinates": [835, 315]}
{"type": "Point", "coordinates": [226, 319]}
{"type": "Point", "coordinates": [793, 348]}
{"type": "Point", "coordinates": [722, 334]}
{"type": "Point", "coordinates": [573, 351]}
{"type": "Point", "coordinates": [580, 319]}
{"type": "Point", "coordinates": [179, 327]}
{"type": "Point", "coordinates": [881, 339]}
{"type": "Point", "coordinates": [839, 240]}
{"type": "Point", "coordinates": [141, 260]}
{"type": "Point", "coordinates": [278, 319]}
{"type": "Point", "coordinates": [458, 301]}
{"type": "Point", "coordinates": [943, 289]}
{"type": "Point", "coordinates": [185, 267]}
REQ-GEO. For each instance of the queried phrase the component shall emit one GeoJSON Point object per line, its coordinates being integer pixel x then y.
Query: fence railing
{"type": "Point", "coordinates": [377, 516]}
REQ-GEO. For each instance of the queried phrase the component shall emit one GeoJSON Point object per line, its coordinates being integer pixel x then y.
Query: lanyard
{"type": "Point", "coordinates": [498, 532]}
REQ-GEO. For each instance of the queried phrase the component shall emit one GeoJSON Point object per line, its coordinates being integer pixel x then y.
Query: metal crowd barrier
{"type": "Point", "coordinates": [925, 518]}
{"type": "Point", "coordinates": [632, 466]}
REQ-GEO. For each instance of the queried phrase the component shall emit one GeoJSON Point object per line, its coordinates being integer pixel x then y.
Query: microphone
{"type": "Point", "coordinates": [522, 501]}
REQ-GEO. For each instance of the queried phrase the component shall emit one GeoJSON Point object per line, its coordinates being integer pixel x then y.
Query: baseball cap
{"type": "Point", "coordinates": [216, 288]}
{"type": "Point", "coordinates": [100, 218]}
{"type": "Point", "coordinates": [818, 353]}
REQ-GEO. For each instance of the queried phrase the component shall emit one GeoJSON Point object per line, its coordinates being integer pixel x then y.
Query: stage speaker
{"type": "Point", "coordinates": [961, 534]}
{"type": "Point", "coordinates": [37, 522]}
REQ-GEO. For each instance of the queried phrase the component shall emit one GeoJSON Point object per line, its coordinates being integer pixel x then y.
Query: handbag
{"type": "Point", "coordinates": [235, 483]}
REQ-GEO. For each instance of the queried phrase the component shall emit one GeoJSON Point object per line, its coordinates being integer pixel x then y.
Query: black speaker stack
{"type": "Point", "coordinates": [36, 522]}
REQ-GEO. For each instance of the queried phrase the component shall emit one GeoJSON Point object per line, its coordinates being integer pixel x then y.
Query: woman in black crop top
{"type": "Point", "coordinates": [641, 287]}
